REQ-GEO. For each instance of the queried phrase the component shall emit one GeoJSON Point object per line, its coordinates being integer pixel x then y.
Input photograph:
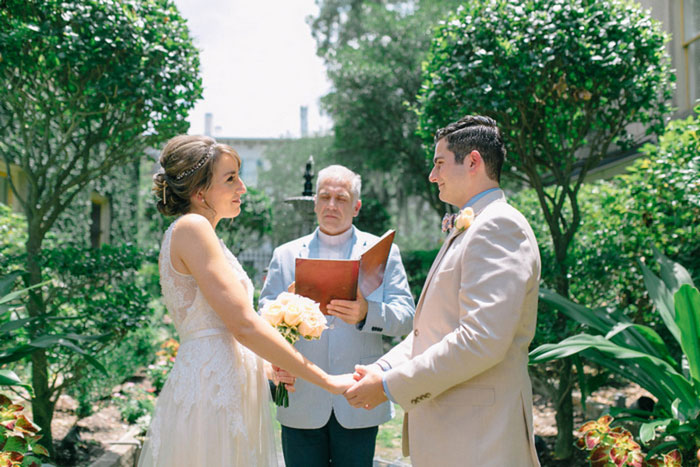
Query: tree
{"type": "Point", "coordinates": [565, 80]}
{"type": "Point", "coordinates": [283, 177]}
{"type": "Point", "coordinates": [373, 51]}
{"type": "Point", "coordinates": [86, 87]}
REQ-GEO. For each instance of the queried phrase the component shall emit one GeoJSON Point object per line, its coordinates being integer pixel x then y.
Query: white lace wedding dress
{"type": "Point", "coordinates": [214, 408]}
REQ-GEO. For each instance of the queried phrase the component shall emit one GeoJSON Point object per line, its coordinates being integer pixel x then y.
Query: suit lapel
{"type": "Point", "coordinates": [310, 248]}
{"type": "Point", "coordinates": [436, 264]}
{"type": "Point", "coordinates": [478, 207]}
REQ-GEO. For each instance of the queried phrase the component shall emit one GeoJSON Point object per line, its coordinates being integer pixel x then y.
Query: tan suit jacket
{"type": "Point", "coordinates": [461, 376]}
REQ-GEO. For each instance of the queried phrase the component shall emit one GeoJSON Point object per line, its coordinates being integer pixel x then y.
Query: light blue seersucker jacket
{"type": "Point", "coordinates": [342, 346]}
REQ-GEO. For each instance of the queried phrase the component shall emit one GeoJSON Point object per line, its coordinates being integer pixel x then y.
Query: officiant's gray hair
{"type": "Point", "coordinates": [341, 174]}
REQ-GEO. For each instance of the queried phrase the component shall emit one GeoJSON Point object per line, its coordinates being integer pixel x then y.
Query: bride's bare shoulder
{"type": "Point", "coordinates": [193, 230]}
{"type": "Point", "coordinates": [193, 224]}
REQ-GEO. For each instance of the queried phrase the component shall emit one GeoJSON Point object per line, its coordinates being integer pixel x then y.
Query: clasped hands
{"type": "Point", "coordinates": [362, 389]}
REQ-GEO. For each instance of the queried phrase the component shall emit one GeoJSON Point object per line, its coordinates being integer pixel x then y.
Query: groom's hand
{"type": "Point", "coordinates": [350, 311]}
{"type": "Point", "coordinates": [368, 391]}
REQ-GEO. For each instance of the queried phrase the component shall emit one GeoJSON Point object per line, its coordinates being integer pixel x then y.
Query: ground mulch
{"type": "Point", "coordinates": [81, 441]}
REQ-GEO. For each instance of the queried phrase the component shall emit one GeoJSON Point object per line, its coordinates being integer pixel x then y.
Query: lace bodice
{"type": "Point", "coordinates": [182, 297]}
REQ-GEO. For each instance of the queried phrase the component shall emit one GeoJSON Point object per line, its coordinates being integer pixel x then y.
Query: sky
{"type": "Point", "coordinates": [258, 64]}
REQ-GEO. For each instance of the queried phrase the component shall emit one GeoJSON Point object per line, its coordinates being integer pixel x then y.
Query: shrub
{"type": "Point", "coordinates": [637, 353]}
{"type": "Point", "coordinates": [417, 264]}
{"type": "Point", "coordinates": [19, 437]}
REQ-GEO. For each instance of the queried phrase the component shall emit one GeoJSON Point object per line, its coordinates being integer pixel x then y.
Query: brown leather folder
{"type": "Point", "coordinates": [323, 280]}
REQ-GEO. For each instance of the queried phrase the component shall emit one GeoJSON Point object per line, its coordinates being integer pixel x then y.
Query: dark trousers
{"type": "Point", "coordinates": [330, 445]}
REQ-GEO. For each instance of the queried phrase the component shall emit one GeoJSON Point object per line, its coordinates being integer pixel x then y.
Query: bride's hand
{"type": "Point", "coordinates": [338, 384]}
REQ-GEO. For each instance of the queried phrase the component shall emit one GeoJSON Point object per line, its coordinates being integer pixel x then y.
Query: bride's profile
{"type": "Point", "coordinates": [214, 408]}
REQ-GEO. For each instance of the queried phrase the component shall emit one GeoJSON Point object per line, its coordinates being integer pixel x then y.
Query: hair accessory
{"type": "Point", "coordinates": [198, 165]}
{"type": "Point", "coordinates": [165, 200]}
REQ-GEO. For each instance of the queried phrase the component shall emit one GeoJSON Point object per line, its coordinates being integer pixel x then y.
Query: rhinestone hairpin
{"type": "Point", "coordinates": [198, 165]}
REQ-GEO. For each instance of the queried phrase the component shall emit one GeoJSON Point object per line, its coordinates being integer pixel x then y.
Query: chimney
{"type": "Point", "coordinates": [304, 112]}
{"type": "Point", "coordinates": [208, 120]}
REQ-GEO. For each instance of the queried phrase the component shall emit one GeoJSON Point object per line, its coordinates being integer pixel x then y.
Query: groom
{"type": "Point", "coordinates": [461, 375]}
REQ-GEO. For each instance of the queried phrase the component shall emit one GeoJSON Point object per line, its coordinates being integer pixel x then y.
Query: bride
{"type": "Point", "coordinates": [214, 408]}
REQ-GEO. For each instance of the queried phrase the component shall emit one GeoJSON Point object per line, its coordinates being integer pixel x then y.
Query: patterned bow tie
{"type": "Point", "coordinates": [448, 222]}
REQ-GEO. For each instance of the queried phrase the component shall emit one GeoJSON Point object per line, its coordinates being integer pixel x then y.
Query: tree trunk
{"type": "Point", "coordinates": [42, 403]}
{"type": "Point", "coordinates": [563, 448]}
{"type": "Point", "coordinates": [563, 404]}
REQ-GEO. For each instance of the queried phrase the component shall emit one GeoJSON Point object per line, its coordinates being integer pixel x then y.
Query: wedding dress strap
{"type": "Point", "coordinates": [204, 333]}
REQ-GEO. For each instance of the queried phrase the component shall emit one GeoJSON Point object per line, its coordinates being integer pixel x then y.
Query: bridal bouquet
{"type": "Point", "coordinates": [294, 317]}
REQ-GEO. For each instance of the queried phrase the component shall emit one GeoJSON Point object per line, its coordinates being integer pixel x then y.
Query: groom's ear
{"type": "Point", "coordinates": [474, 160]}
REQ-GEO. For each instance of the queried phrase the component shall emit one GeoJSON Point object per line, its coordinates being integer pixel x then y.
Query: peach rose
{"type": "Point", "coordinates": [273, 313]}
{"type": "Point", "coordinates": [464, 218]}
{"type": "Point", "coordinates": [313, 325]}
{"type": "Point", "coordinates": [292, 314]}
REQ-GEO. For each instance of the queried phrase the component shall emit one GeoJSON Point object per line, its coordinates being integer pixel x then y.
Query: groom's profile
{"type": "Point", "coordinates": [461, 375]}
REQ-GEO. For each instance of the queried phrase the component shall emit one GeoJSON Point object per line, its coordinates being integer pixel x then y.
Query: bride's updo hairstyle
{"type": "Point", "coordinates": [187, 165]}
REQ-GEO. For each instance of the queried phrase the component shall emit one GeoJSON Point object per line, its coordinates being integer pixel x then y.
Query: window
{"type": "Point", "coordinates": [99, 220]}
{"type": "Point", "coordinates": [4, 188]}
{"type": "Point", "coordinates": [690, 12]}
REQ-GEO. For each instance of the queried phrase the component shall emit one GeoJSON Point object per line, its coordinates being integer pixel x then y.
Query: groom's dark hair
{"type": "Point", "coordinates": [476, 132]}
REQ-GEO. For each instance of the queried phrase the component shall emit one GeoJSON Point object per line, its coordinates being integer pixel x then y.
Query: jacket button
{"type": "Point", "coordinates": [415, 332]}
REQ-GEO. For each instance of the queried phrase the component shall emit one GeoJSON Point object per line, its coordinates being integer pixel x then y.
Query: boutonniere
{"type": "Point", "coordinates": [464, 219]}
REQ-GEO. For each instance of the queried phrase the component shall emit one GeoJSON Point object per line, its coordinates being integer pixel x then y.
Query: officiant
{"type": "Point", "coordinates": [318, 428]}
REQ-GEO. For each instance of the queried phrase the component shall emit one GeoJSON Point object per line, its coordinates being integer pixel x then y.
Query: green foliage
{"type": "Point", "coordinates": [663, 193]}
{"type": "Point", "coordinates": [283, 178]}
{"type": "Point", "coordinates": [373, 217]}
{"type": "Point", "coordinates": [13, 231]}
{"type": "Point", "coordinates": [373, 52]}
{"type": "Point", "coordinates": [96, 300]}
{"type": "Point", "coordinates": [134, 403]}
{"type": "Point", "coordinates": [124, 359]}
{"type": "Point", "coordinates": [564, 79]}
{"type": "Point", "coordinates": [254, 222]}
{"type": "Point", "coordinates": [622, 220]}
{"type": "Point", "coordinates": [556, 75]}
{"type": "Point", "coordinates": [637, 352]}
{"type": "Point", "coordinates": [158, 371]}
{"type": "Point", "coordinates": [19, 437]}
{"type": "Point", "coordinates": [417, 264]}
{"type": "Point", "coordinates": [615, 446]}
{"type": "Point", "coordinates": [85, 87]}
{"type": "Point", "coordinates": [92, 84]}
{"type": "Point", "coordinates": [8, 305]}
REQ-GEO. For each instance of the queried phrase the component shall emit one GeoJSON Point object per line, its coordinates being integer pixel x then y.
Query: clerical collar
{"type": "Point", "coordinates": [335, 240]}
